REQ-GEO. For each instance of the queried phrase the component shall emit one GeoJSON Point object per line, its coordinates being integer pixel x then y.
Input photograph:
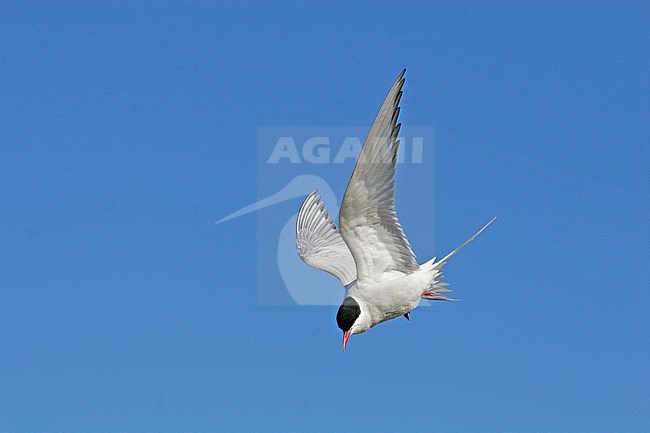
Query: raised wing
{"type": "Point", "coordinates": [319, 242]}
{"type": "Point", "coordinates": [368, 221]}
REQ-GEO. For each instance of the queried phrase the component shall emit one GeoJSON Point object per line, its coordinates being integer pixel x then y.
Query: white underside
{"type": "Point", "coordinates": [394, 295]}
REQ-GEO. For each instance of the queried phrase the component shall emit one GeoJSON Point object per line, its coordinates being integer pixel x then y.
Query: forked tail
{"type": "Point", "coordinates": [438, 288]}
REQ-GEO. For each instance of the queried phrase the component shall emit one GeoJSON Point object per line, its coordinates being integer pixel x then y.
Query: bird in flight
{"type": "Point", "coordinates": [369, 252]}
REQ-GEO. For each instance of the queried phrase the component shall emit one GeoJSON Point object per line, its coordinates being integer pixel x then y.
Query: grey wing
{"type": "Point", "coordinates": [368, 221]}
{"type": "Point", "coordinates": [319, 243]}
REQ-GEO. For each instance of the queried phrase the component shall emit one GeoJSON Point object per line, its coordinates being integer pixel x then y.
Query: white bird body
{"type": "Point", "coordinates": [393, 295]}
{"type": "Point", "coordinates": [369, 252]}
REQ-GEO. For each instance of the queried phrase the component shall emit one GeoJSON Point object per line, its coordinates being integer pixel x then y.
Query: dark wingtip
{"type": "Point", "coordinates": [400, 78]}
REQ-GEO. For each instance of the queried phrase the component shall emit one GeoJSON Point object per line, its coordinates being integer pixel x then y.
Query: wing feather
{"type": "Point", "coordinates": [319, 243]}
{"type": "Point", "coordinates": [368, 221]}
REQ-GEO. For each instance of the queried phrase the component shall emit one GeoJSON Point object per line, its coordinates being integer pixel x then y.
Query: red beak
{"type": "Point", "coordinates": [346, 337]}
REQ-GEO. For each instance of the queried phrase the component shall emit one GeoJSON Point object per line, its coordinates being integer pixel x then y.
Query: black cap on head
{"type": "Point", "coordinates": [349, 311]}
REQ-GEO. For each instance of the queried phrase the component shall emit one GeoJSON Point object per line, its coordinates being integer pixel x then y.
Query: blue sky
{"type": "Point", "coordinates": [128, 129]}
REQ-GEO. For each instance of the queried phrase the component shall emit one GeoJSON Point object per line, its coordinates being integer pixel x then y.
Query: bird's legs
{"type": "Point", "coordinates": [436, 295]}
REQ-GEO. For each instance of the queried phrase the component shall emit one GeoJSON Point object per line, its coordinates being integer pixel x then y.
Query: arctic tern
{"type": "Point", "coordinates": [369, 252]}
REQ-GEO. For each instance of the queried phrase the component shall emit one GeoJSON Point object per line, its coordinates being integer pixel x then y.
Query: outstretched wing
{"type": "Point", "coordinates": [319, 242]}
{"type": "Point", "coordinates": [368, 221]}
